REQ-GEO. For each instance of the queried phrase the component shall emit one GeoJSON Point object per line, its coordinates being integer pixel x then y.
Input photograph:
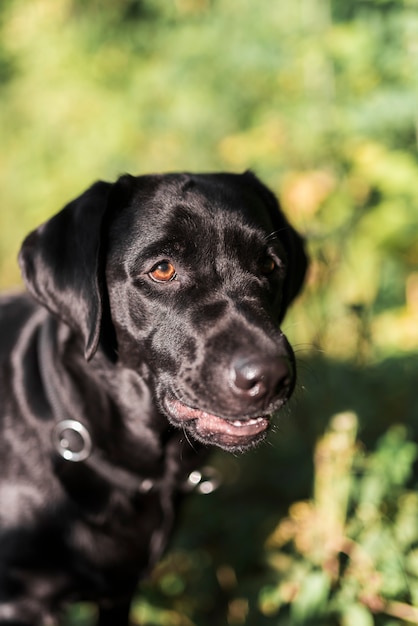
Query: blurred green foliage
{"type": "Point", "coordinates": [355, 541]}
{"type": "Point", "coordinates": [320, 98]}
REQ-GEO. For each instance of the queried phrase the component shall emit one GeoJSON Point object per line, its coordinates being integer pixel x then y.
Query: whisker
{"type": "Point", "coordinates": [272, 236]}
{"type": "Point", "coordinates": [307, 348]}
{"type": "Point", "coordinates": [189, 441]}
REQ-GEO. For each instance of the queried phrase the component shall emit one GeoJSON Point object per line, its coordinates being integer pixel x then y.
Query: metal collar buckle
{"type": "Point", "coordinates": [72, 440]}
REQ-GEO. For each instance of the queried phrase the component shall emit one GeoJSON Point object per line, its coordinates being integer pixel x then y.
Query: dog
{"type": "Point", "coordinates": [150, 333]}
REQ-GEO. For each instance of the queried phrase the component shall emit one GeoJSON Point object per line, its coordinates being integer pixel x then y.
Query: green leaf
{"type": "Point", "coordinates": [357, 615]}
{"type": "Point", "coordinates": [270, 600]}
{"type": "Point", "coordinates": [312, 598]}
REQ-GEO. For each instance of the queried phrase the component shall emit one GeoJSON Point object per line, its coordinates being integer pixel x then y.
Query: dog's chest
{"type": "Point", "coordinates": [121, 544]}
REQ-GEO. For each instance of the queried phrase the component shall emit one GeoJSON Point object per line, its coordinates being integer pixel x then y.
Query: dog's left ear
{"type": "Point", "coordinates": [296, 263]}
{"type": "Point", "coordinates": [293, 243]}
{"type": "Point", "coordinates": [62, 262]}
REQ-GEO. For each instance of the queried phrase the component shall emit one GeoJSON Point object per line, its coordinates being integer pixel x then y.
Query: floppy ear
{"type": "Point", "coordinates": [297, 263]}
{"type": "Point", "coordinates": [61, 264]}
{"type": "Point", "coordinates": [293, 243]}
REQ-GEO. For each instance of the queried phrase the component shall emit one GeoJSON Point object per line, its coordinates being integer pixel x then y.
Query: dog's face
{"type": "Point", "coordinates": [193, 275]}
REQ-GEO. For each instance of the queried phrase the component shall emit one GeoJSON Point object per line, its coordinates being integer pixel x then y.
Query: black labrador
{"type": "Point", "coordinates": [153, 332]}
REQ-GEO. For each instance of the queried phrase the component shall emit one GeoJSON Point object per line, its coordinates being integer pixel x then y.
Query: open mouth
{"type": "Point", "coordinates": [209, 428]}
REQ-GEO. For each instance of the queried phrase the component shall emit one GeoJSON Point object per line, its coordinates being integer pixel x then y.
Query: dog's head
{"type": "Point", "coordinates": [184, 278]}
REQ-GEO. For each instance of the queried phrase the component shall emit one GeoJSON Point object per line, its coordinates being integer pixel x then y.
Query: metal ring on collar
{"type": "Point", "coordinates": [62, 444]}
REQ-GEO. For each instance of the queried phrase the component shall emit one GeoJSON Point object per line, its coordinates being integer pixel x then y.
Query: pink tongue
{"type": "Point", "coordinates": [208, 423]}
{"type": "Point", "coordinates": [212, 424]}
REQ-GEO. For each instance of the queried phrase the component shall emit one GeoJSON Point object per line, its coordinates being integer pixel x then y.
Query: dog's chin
{"type": "Point", "coordinates": [231, 434]}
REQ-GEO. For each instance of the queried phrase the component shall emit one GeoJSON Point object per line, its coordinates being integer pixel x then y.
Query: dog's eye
{"type": "Point", "coordinates": [163, 272]}
{"type": "Point", "coordinates": [267, 265]}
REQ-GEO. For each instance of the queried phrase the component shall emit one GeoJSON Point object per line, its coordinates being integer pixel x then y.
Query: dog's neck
{"type": "Point", "coordinates": [132, 457]}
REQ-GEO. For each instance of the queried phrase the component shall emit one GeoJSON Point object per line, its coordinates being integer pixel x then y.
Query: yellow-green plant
{"type": "Point", "coordinates": [349, 553]}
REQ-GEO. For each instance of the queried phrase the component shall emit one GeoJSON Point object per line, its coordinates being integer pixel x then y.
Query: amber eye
{"type": "Point", "coordinates": [267, 265]}
{"type": "Point", "coordinates": [163, 272]}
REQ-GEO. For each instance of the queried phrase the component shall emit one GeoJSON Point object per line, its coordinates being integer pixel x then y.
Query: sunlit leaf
{"type": "Point", "coordinates": [312, 597]}
{"type": "Point", "coordinates": [357, 615]}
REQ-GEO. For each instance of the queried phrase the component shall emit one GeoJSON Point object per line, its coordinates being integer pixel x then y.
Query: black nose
{"type": "Point", "coordinates": [262, 376]}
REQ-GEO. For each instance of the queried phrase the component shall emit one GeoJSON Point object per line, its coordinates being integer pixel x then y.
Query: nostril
{"type": "Point", "coordinates": [261, 376]}
{"type": "Point", "coordinates": [247, 375]}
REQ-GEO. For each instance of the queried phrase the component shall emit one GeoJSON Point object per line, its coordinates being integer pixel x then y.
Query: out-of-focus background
{"type": "Point", "coordinates": [320, 99]}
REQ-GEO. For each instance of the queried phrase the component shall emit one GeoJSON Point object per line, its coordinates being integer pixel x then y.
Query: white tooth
{"type": "Point", "coordinates": [250, 422]}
